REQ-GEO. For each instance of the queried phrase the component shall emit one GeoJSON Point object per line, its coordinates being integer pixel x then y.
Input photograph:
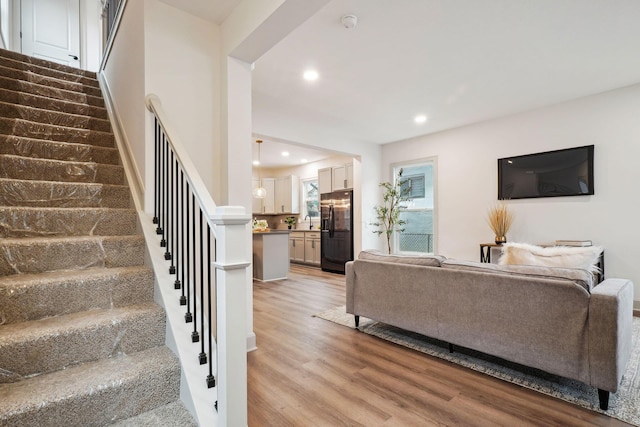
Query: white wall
{"type": "Point", "coordinates": [467, 178]}
{"type": "Point", "coordinates": [124, 73]}
{"type": "Point", "coordinates": [182, 67]}
{"type": "Point", "coordinates": [90, 34]}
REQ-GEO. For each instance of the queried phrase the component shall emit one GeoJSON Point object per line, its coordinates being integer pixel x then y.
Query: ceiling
{"type": "Point", "coordinates": [456, 61]}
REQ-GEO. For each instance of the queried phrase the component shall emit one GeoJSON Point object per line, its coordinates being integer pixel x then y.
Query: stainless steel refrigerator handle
{"type": "Point", "coordinates": [331, 221]}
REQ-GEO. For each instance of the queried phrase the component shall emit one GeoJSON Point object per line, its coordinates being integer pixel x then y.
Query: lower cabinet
{"type": "Point", "coordinates": [312, 248]}
{"type": "Point", "coordinates": [304, 247]}
{"type": "Point", "coordinates": [296, 246]}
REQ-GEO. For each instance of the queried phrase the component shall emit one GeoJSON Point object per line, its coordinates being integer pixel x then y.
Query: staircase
{"type": "Point", "coordinates": [81, 339]}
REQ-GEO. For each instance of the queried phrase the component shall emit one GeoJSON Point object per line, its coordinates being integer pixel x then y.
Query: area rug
{"type": "Point", "coordinates": [623, 405]}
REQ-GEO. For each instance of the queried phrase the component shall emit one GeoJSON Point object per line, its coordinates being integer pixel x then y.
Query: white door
{"type": "Point", "coordinates": [51, 30]}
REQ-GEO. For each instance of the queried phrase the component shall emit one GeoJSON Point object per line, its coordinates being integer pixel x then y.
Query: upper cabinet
{"type": "Point", "coordinates": [266, 205]}
{"type": "Point", "coordinates": [283, 196]}
{"type": "Point", "coordinates": [335, 178]}
{"type": "Point", "coordinates": [287, 193]}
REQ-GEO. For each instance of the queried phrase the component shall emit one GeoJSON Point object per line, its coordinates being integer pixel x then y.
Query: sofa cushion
{"type": "Point", "coordinates": [554, 256]}
{"type": "Point", "coordinates": [424, 260]}
{"type": "Point", "coordinates": [579, 276]}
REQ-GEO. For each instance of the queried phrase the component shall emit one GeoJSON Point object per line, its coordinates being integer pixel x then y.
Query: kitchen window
{"type": "Point", "coordinates": [310, 202]}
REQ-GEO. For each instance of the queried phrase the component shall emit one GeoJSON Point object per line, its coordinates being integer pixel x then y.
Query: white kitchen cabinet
{"type": "Point", "coordinates": [335, 178]}
{"type": "Point", "coordinates": [287, 195]}
{"type": "Point", "coordinates": [325, 177]}
{"type": "Point", "coordinates": [312, 248]}
{"type": "Point", "coordinates": [267, 204]}
{"type": "Point", "coordinates": [342, 177]}
{"type": "Point", "coordinates": [296, 246]}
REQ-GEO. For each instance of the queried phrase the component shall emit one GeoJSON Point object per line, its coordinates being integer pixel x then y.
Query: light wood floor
{"type": "Point", "coordinates": [312, 372]}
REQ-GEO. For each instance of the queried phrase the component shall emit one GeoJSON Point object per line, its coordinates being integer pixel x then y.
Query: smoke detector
{"type": "Point", "coordinates": [349, 21]}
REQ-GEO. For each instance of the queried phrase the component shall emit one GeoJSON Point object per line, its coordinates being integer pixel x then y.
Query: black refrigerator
{"type": "Point", "coordinates": [336, 219]}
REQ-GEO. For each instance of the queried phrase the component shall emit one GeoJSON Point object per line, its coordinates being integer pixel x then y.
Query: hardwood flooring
{"type": "Point", "coordinates": [312, 372]}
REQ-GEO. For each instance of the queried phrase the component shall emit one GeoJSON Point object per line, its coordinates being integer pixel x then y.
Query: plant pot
{"type": "Point", "coordinates": [501, 239]}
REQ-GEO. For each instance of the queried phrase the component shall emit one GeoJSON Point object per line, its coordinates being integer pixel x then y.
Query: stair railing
{"type": "Point", "coordinates": [209, 283]}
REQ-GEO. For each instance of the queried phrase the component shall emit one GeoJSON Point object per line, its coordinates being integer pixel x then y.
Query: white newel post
{"type": "Point", "coordinates": [231, 300]}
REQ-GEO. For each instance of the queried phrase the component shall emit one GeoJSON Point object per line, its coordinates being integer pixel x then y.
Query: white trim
{"type": "Point", "coordinates": [229, 267]}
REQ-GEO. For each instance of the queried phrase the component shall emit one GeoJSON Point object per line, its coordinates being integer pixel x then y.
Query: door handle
{"type": "Point", "coordinates": [74, 57]}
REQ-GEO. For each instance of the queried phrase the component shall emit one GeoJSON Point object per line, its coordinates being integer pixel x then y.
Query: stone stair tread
{"type": "Point", "coordinates": [93, 393]}
{"type": "Point", "coordinates": [18, 97]}
{"type": "Point", "coordinates": [52, 117]}
{"type": "Point", "coordinates": [37, 169]}
{"type": "Point", "coordinates": [25, 297]}
{"type": "Point", "coordinates": [172, 415]}
{"type": "Point", "coordinates": [57, 150]}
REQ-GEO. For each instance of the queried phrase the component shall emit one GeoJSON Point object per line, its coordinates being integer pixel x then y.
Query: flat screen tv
{"type": "Point", "coordinates": [567, 172]}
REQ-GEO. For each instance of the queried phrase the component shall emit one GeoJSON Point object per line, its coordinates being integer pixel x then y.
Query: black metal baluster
{"type": "Point", "coordinates": [169, 191]}
{"type": "Point", "coordinates": [188, 317]}
{"type": "Point", "coordinates": [183, 298]}
{"type": "Point", "coordinates": [202, 357]}
{"type": "Point", "coordinates": [195, 336]}
{"type": "Point", "coordinates": [163, 242]}
{"type": "Point", "coordinates": [156, 177]}
{"type": "Point", "coordinates": [174, 259]}
{"type": "Point", "coordinates": [160, 183]}
{"type": "Point", "coordinates": [211, 380]}
{"type": "Point", "coordinates": [193, 258]}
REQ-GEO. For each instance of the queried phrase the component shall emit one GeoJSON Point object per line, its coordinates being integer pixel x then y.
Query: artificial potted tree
{"type": "Point", "coordinates": [388, 213]}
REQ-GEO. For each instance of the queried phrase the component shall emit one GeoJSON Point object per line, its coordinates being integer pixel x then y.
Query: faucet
{"type": "Point", "coordinates": [310, 226]}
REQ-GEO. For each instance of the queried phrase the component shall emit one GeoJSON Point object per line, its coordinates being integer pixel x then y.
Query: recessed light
{"type": "Point", "coordinates": [311, 75]}
{"type": "Point", "coordinates": [421, 118]}
{"type": "Point", "coordinates": [285, 154]}
{"type": "Point", "coordinates": [256, 163]}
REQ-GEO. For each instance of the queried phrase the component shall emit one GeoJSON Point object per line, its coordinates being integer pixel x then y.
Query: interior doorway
{"type": "Point", "coordinates": [51, 30]}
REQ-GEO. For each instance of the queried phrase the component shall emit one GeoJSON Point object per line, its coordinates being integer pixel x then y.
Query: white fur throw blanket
{"type": "Point", "coordinates": [554, 256]}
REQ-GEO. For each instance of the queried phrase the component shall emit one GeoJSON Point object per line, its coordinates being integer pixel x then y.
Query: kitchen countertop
{"type": "Point", "coordinates": [274, 232]}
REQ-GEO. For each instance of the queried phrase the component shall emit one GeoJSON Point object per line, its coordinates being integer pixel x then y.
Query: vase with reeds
{"type": "Point", "coordinates": [500, 219]}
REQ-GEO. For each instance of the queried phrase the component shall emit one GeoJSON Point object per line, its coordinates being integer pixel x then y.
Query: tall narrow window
{"type": "Point", "coordinates": [418, 182]}
{"type": "Point", "coordinates": [310, 205]}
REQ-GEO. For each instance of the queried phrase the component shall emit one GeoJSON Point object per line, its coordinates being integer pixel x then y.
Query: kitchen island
{"type": "Point", "coordinates": [270, 255]}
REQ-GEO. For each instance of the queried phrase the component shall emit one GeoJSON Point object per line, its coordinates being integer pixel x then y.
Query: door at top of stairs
{"type": "Point", "coordinates": [51, 30]}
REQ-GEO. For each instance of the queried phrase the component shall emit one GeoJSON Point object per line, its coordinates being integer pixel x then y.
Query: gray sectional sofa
{"type": "Point", "coordinates": [553, 319]}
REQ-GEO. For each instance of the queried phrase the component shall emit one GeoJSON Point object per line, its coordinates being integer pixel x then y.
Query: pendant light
{"type": "Point", "coordinates": [260, 192]}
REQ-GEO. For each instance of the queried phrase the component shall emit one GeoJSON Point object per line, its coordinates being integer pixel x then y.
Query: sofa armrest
{"type": "Point", "coordinates": [610, 332]}
{"type": "Point", "coordinates": [350, 277]}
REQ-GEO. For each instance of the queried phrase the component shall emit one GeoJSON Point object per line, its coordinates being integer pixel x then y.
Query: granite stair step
{"type": "Point", "coordinates": [52, 104]}
{"type": "Point", "coordinates": [56, 150]}
{"type": "Point", "coordinates": [51, 92]}
{"type": "Point", "coordinates": [30, 169]}
{"type": "Point", "coordinates": [38, 255]}
{"type": "Point", "coordinates": [55, 118]}
{"type": "Point", "coordinates": [51, 222]}
{"type": "Point", "coordinates": [59, 342]}
{"type": "Point", "coordinates": [26, 297]}
{"type": "Point", "coordinates": [16, 56]}
{"type": "Point", "coordinates": [93, 394]}
{"type": "Point", "coordinates": [19, 192]}
{"type": "Point", "coordinates": [31, 129]}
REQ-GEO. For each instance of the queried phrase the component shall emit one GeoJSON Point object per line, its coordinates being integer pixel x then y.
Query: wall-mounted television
{"type": "Point", "coordinates": [567, 172]}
